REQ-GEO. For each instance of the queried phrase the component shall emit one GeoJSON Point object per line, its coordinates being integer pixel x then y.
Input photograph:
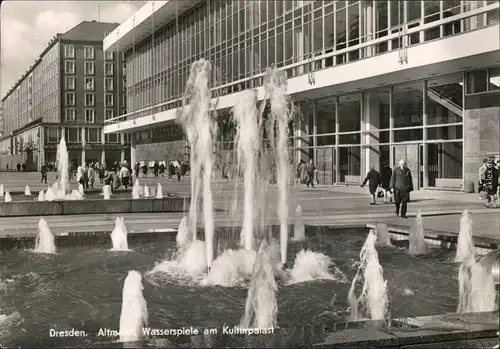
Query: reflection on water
{"type": "Point", "coordinates": [81, 288]}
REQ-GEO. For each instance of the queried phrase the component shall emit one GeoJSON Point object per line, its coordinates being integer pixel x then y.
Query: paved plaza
{"type": "Point", "coordinates": [320, 206]}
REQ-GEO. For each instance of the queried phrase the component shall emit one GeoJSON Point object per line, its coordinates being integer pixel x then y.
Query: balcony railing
{"type": "Point", "coordinates": [400, 39]}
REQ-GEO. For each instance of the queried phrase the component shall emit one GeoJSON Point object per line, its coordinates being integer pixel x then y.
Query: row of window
{"type": "Point", "coordinates": [109, 99]}
{"type": "Point", "coordinates": [70, 68]}
{"type": "Point", "coordinates": [70, 83]}
{"type": "Point", "coordinates": [70, 114]}
{"type": "Point", "coordinates": [88, 53]}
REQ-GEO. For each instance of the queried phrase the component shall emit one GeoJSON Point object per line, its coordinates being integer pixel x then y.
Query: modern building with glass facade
{"type": "Point", "coordinates": [373, 81]}
{"type": "Point", "coordinates": [70, 90]}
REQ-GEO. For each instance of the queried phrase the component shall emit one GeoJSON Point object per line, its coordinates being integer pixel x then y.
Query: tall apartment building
{"type": "Point", "coordinates": [69, 91]}
{"type": "Point", "coordinates": [374, 81]}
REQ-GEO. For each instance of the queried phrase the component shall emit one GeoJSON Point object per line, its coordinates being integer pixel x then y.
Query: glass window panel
{"type": "Point", "coordinates": [408, 135]}
{"type": "Point", "coordinates": [325, 115]}
{"type": "Point", "coordinates": [350, 164]}
{"type": "Point", "coordinates": [379, 108]}
{"type": "Point", "coordinates": [325, 140]}
{"type": "Point", "coordinates": [444, 160]}
{"type": "Point", "coordinates": [494, 77]}
{"type": "Point", "coordinates": [318, 35]}
{"type": "Point", "coordinates": [329, 34]}
{"type": "Point", "coordinates": [414, 10]}
{"type": "Point", "coordinates": [445, 100]}
{"type": "Point", "coordinates": [477, 81]}
{"type": "Point", "coordinates": [288, 46]}
{"type": "Point", "coordinates": [351, 138]}
{"type": "Point", "coordinates": [408, 105]}
{"type": "Point", "coordinates": [349, 113]}
{"type": "Point", "coordinates": [279, 47]}
{"type": "Point", "coordinates": [445, 132]}
{"type": "Point", "coordinates": [353, 24]}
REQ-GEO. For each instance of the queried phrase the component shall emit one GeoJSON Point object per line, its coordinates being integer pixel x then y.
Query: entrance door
{"type": "Point", "coordinates": [412, 155]}
{"type": "Point", "coordinates": [326, 165]}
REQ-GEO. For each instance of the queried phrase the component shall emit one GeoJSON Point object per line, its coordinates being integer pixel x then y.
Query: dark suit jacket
{"type": "Point", "coordinates": [401, 180]}
{"type": "Point", "coordinates": [373, 179]}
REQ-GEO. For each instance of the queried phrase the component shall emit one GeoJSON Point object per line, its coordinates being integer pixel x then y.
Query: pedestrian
{"type": "Point", "coordinates": [303, 172]}
{"type": "Point", "coordinates": [374, 180]}
{"type": "Point", "coordinates": [480, 178]}
{"type": "Point", "coordinates": [311, 169]}
{"type": "Point", "coordinates": [401, 186]}
{"type": "Point", "coordinates": [44, 171]}
{"type": "Point", "coordinates": [125, 176]}
{"type": "Point", "coordinates": [102, 170]}
{"type": "Point", "coordinates": [162, 169]}
{"type": "Point", "coordinates": [490, 184]}
{"type": "Point", "coordinates": [386, 175]}
{"type": "Point", "coordinates": [156, 168]}
{"type": "Point", "coordinates": [91, 176]}
{"type": "Point", "coordinates": [137, 168]}
{"type": "Point", "coordinates": [145, 169]}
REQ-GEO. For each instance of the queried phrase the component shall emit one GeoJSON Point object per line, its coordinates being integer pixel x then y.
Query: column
{"type": "Point", "coordinates": [41, 148]}
{"type": "Point", "coordinates": [391, 127]}
{"type": "Point", "coordinates": [132, 151]}
{"type": "Point", "coordinates": [337, 162]}
{"type": "Point", "coordinates": [425, 150]}
{"type": "Point", "coordinates": [367, 11]}
{"type": "Point", "coordinates": [370, 121]}
{"type": "Point", "coordinates": [315, 132]}
{"type": "Point", "coordinates": [122, 142]}
{"type": "Point", "coordinates": [83, 145]}
{"type": "Point", "coordinates": [103, 150]}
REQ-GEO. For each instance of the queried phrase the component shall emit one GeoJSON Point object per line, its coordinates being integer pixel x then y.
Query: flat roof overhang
{"type": "Point", "coordinates": [149, 18]}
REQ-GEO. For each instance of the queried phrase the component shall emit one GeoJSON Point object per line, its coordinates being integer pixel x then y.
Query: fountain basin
{"type": "Point", "coordinates": [73, 207]}
{"type": "Point", "coordinates": [80, 288]}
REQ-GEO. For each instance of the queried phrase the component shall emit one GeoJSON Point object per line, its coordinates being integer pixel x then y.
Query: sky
{"type": "Point", "coordinates": [27, 27]}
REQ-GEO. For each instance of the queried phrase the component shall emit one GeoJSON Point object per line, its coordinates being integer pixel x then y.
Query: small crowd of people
{"type": "Point", "coordinates": [488, 185]}
{"type": "Point", "coordinates": [305, 173]}
{"type": "Point", "coordinates": [175, 168]}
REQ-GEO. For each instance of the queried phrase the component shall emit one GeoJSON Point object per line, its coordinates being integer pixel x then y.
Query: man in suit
{"type": "Point", "coordinates": [401, 186]}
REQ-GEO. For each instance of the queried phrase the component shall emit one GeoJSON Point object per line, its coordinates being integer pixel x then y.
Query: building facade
{"type": "Point", "coordinates": [69, 91]}
{"type": "Point", "coordinates": [373, 81]}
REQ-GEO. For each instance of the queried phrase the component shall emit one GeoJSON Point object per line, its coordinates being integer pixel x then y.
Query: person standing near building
{"type": "Point", "coordinates": [401, 186]}
{"type": "Point", "coordinates": [386, 175]}
{"type": "Point", "coordinates": [374, 180]}
{"type": "Point", "coordinates": [311, 169]}
{"type": "Point", "coordinates": [125, 176]}
{"type": "Point", "coordinates": [490, 184]}
{"type": "Point", "coordinates": [480, 178]}
{"type": "Point", "coordinates": [44, 171]}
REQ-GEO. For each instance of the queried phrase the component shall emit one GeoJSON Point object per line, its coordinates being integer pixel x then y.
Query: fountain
{"type": "Point", "coordinates": [62, 186]}
{"type": "Point", "coordinates": [50, 195]}
{"type": "Point", "coordinates": [261, 306]}
{"type": "Point", "coordinates": [383, 237]}
{"type": "Point", "coordinates": [119, 235]}
{"type": "Point", "coordinates": [159, 191]}
{"type": "Point", "coordinates": [276, 88]}
{"type": "Point", "coordinates": [7, 197]}
{"type": "Point", "coordinates": [41, 195]}
{"type": "Point", "coordinates": [183, 237]}
{"type": "Point", "coordinates": [476, 288]}
{"type": "Point", "coordinates": [1, 190]}
{"type": "Point", "coordinates": [80, 189]}
{"type": "Point", "coordinates": [200, 127]}
{"type": "Point", "coordinates": [417, 237]}
{"type": "Point", "coordinates": [106, 192]}
{"type": "Point", "coordinates": [373, 296]}
{"type": "Point", "coordinates": [27, 191]}
{"type": "Point", "coordinates": [491, 262]}
{"type": "Point", "coordinates": [311, 266]}
{"type": "Point", "coordinates": [465, 243]}
{"type": "Point", "coordinates": [146, 192]}
{"type": "Point", "coordinates": [299, 231]}
{"type": "Point", "coordinates": [45, 242]}
{"type": "Point", "coordinates": [134, 313]}
{"type": "Point", "coordinates": [248, 146]}
{"type": "Point", "coordinates": [135, 191]}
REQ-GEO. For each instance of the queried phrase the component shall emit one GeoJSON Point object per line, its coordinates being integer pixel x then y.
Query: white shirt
{"type": "Point", "coordinates": [124, 172]}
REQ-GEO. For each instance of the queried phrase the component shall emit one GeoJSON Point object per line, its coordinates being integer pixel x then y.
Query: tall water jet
{"type": "Point", "coordinates": [159, 191]}
{"type": "Point", "coordinates": [41, 195]}
{"type": "Point", "coordinates": [62, 163]}
{"type": "Point", "coordinates": [417, 237]}
{"type": "Point", "coordinates": [476, 288]}
{"type": "Point", "coordinates": [276, 88]}
{"type": "Point", "coordinates": [134, 315]}
{"type": "Point", "coordinates": [198, 122]}
{"type": "Point", "coordinates": [1, 190]}
{"type": "Point", "coordinates": [183, 236]}
{"type": "Point", "coordinates": [146, 192]}
{"type": "Point", "coordinates": [106, 192]}
{"type": "Point", "coordinates": [383, 237]}
{"type": "Point", "coordinates": [119, 235]}
{"type": "Point", "coordinates": [309, 266]}
{"type": "Point", "coordinates": [465, 243]}
{"type": "Point", "coordinates": [80, 189]}
{"type": "Point", "coordinates": [299, 231]}
{"type": "Point", "coordinates": [373, 295]}
{"type": "Point", "coordinates": [45, 242]}
{"type": "Point", "coordinates": [7, 197]}
{"type": "Point", "coordinates": [261, 305]}
{"type": "Point", "coordinates": [27, 191]}
{"type": "Point", "coordinates": [491, 262]}
{"type": "Point", "coordinates": [248, 146]}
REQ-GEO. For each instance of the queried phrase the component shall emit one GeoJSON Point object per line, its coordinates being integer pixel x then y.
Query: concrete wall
{"type": "Point", "coordinates": [481, 139]}
{"type": "Point", "coordinates": [161, 151]}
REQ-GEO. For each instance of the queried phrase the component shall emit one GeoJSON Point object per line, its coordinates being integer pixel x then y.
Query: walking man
{"type": "Point", "coordinates": [44, 171]}
{"type": "Point", "coordinates": [311, 169]}
{"type": "Point", "coordinates": [386, 175]}
{"type": "Point", "coordinates": [401, 186]}
{"type": "Point", "coordinates": [374, 180]}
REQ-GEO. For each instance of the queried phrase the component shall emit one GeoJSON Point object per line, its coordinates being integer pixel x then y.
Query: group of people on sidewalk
{"type": "Point", "coordinates": [488, 185]}
{"type": "Point", "coordinates": [397, 183]}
